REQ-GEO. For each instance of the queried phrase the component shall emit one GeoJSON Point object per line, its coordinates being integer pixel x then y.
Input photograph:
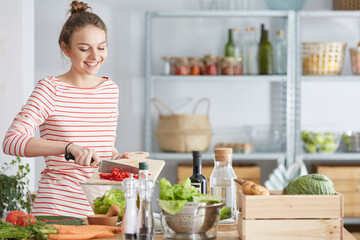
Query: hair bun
{"type": "Point", "coordinates": [78, 7]}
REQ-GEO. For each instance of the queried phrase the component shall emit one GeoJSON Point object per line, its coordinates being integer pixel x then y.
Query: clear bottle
{"type": "Point", "coordinates": [222, 182]}
{"type": "Point", "coordinates": [145, 226]}
{"type": "Point", "coordinates": [265, 54]}
{"type": "Point", "coordinates": [166, 65]}
{"type": "Point", "coordinates": [250, 52]}
{"type": "Point", "coordinates": [230, 46]}
{"type": "Point", "coordinates": [197, 179]}
{"type": "Point", "coordinates": [236, 40]}
{"type": "Point", "coordinates": [129, 223]}
{"type": "Point", "coordinates": [280, 56]}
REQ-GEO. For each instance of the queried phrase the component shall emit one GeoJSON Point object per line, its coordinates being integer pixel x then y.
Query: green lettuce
{"type": "Point", "coordinates": [115, 196]}
{"type": "Point", "coordinates": [315, 184]}
{"type": "Point", "coordinates": [173, 198]}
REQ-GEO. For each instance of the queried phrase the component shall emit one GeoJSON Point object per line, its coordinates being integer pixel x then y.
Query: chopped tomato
{"type": "Point", "coordinates": [116, 175]}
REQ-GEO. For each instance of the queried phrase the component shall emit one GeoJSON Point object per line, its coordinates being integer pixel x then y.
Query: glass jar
{"type": "Point", "coordinates": [181, 66]}
{"type": "Point", "coordinates": [222, 182]}
{"type": "Point", "coordinates": [228, 66]}
{"type": "Point", "coordinates": [238, 68]}
{"type": "Point", "coordinates": [196, 66]}
{"type": "Point", "coordinates": [211, 65]}
{"type": "Point", "coordinates": [166, 65]}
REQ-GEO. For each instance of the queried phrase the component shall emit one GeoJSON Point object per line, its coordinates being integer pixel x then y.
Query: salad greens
{"type": "Point", "coordinates": [173, 198]}
{"type": "Point", "coordinates": [225, 213]}
{"type": "Point", "coordinates": [114, 196]}
{"type": "Point", "coordinates": [315, 184]}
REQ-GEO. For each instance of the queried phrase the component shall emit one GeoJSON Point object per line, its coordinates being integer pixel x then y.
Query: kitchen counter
{"type": "Point", "coordinates": [233, 235]}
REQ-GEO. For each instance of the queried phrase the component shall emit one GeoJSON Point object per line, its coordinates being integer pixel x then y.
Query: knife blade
{"type": "Point", "coordinates": [106, 166]}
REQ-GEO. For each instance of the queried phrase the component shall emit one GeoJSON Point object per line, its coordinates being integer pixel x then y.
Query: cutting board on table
{"type": "Point", "coordinates": [155, 167]}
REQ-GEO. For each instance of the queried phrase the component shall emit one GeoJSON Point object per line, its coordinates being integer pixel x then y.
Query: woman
{"type": "Point", "coordinates": [76, 113]}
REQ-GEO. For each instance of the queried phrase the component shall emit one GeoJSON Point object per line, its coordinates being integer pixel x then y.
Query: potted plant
{"type": "Point", "coordinates": [14, 194]}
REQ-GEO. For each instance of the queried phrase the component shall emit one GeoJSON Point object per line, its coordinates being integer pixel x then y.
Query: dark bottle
{"type": "Point", "coordinates": [197, 179]}
{"type": "Point", "coordinates": [265, 58]}
{"type": "Point", "coordinates": [230, 46]}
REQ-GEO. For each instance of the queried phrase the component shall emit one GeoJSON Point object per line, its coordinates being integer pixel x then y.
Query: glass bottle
{"type": "Point", "coordinates": [222, 182]}
{"type": "Point", "coordinates": [236, 41]}
{"type": "Point", "coordinates": [280, 57]}
{"type": "Point", "coordinates": [145, 215]}
{"type": "Point", "coordinates": [265, 55]}
{"type": "Point", "coordinates": [230, 46]}
{"type": "Point", "coordinates": [197, 179]}
{"type": "Point", "coordinates": [143, 171]}
{"type": "Point", "coordinates": [250, 52]}
{"type": "Point", "coordinates": [129, 223]}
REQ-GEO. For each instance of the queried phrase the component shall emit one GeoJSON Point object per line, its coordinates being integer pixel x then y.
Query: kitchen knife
{"type": "Point", "coordinates": [106, 166]}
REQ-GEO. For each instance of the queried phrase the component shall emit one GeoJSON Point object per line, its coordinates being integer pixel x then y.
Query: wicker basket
{"type": "Point", "coordinates": [346, 5]}
{"type": "Point", "coordinates": [323, 58]}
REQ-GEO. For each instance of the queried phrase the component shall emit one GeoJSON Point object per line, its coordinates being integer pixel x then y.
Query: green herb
{"type": "Point", "coordinates": [60, 220]}
{"type": "Point", "coordinates": [36, 231]}
{"type": "Point", "coordinates": [14, 194]}
{"type": "Point", "coordinates": [173, 198]}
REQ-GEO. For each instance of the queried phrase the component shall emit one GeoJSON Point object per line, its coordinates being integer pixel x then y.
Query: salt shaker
{"type": "Point", "coordinates": [129, 223]}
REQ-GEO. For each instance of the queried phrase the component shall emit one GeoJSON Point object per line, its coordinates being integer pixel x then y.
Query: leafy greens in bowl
{"type": "Point", "coordinates": [173, 198]}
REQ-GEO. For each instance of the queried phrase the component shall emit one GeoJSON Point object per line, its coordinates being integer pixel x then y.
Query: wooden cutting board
{"type": "Point", "coordinates": [155, 167]}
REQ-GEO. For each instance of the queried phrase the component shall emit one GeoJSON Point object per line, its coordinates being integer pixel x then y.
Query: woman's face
{"type": "Point", "coordinates": [87, 50]}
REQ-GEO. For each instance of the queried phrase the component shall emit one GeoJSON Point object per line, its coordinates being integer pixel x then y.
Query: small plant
{"type": "Point", "coordinates": [14, 191]}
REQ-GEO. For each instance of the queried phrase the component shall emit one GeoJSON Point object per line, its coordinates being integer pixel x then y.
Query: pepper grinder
{"type": "Point", "coordinates": [145, 216]}
{"type": "Point", "coordinates": [129, 222]}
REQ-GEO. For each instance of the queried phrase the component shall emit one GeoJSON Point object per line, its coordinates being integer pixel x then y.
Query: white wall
{"type": "Point", "coordinates": [17, 66]}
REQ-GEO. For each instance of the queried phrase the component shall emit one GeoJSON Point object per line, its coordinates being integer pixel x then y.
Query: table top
{"type": "Point", "coordinates": [232, 235]}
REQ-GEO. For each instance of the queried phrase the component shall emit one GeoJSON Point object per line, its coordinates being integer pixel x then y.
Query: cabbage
{"type": "Point", "coordinates": [315, 184]}
{"type": "Point", "coordinates": [110, 197]}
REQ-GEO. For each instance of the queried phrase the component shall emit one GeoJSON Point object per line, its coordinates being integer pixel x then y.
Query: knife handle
{"type": "Point", "coordinates": [69, 156]}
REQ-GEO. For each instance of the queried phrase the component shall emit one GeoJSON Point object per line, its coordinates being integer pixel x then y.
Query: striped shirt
{"type": "Point", "coordinates": [66, 113]}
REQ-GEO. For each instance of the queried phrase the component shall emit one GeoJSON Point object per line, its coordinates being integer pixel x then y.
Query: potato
{"type": "Point", "coordinates": [257, 189]}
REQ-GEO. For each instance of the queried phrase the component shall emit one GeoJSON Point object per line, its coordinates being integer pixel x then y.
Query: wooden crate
{"type": "Point", "coordinates": [346, 181]}
{"type": "Point", "coordinates": [290, 217]}
{"type": "Point", "coordinates": [244, 171]}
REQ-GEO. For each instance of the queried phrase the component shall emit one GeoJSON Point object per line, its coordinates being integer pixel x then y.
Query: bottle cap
{"type": "Point", "coordinates": [280, 32]}
{"type": "Point", "coordinates": [143, 166]}
{"type": "Point", "coordinates": [223, 154]}
{"type": "Point", "coordinates": [197, 153]}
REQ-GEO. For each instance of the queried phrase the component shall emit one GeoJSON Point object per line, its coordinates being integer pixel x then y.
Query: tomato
{"type": "Point", "coordinates": [13, 216]}
{"type": "Point", "coordinates": [25, 220]}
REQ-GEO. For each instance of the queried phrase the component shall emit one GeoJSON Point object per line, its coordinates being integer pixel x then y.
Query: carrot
{"type": "Point", "coordinates": [80, 236]}
{"type": "Point", "coordinates": [66, 229]}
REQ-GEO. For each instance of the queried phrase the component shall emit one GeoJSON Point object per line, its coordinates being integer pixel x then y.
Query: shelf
{"type": "Point", "coordinates": [331, 78]}
{"type": "Point", "coordinates": [210, 156]}
{"type": "Point", "coordinates": [243, 78]}
{"type": "Point", "coordinates": [332, 14]}
{"type": "Point", "coordinates": [351, 221]}
{"type": "Point", "coordinates": [220, 14]}
{"type": "Point", "coordinates": [331, 156]}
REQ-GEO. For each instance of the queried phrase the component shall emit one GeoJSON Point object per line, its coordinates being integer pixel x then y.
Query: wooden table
{"type": "Point", "coordinates": [233, 235]}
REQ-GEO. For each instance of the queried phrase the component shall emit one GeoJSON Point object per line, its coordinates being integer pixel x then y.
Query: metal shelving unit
{"type": "Point", "coordinates": [337, 156]}
{"type": "Point", "coordinates": [285, 82]}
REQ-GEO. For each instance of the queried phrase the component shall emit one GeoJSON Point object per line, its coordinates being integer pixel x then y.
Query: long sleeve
{"type": "Point", "coordinates": [37, 109]}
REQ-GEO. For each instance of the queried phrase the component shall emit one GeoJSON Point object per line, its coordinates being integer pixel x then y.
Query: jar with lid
{"type": "Point", "coordinates": [181, 66]}
{"type": "Point", "coordinates": [211, 65]}
{"type": "Point", "coordinates": [222, 182]}
{"type": "Point", "coordinates": [167, 65]}
{"type": "Point", "coordinates": [238, 68]}
{"type": "Point", "coordinates": [196, 66]}
{"type": "Point", "coordinates": [227, 66]}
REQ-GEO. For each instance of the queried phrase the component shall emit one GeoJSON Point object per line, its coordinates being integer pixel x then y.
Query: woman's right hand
{"type": "Point", "coordinates": [83, 155]}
